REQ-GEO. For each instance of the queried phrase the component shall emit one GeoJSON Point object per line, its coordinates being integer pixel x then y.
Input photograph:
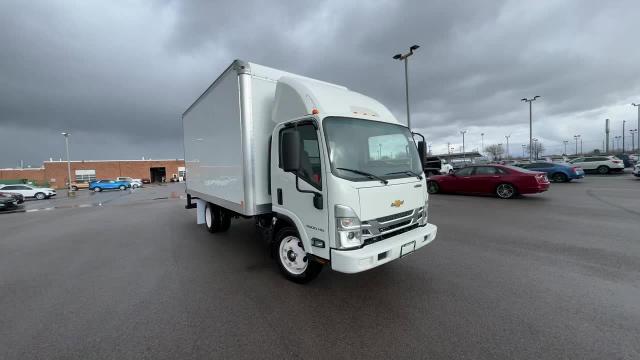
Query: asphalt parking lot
{"type": "Point", "coordinates": [130, 275]}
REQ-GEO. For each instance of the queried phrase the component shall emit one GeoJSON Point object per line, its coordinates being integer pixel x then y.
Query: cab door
{"type": "Point", "coordinates": [301, 196]}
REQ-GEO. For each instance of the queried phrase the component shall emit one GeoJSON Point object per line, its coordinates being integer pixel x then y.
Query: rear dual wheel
{"type": "Point", "coordinates": [216, 219]}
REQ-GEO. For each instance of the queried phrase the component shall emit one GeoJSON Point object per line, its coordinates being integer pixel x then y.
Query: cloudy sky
{"type": "Point", "coordinates": [118, 74]}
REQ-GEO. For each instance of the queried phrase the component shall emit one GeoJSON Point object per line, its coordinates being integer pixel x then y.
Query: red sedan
{"type": "Point", "coordinates": [503, 181]}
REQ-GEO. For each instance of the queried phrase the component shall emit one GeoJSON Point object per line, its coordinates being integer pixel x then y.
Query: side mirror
{"type": "Point", "coordinates": [291, 151]}
{"type": "Point", "coordinates": [422, 151]}
{"type": "Point", "coordinates": [317, 201]}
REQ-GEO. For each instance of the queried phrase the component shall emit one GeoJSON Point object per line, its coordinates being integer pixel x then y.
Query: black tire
{"type": "Point", "coordinates": [505, 191]}
{"type": "Point", "coordinates": [433, 187]}
{"type": "Point", "coordinates": [74, 188]}
{"type": "Point", "coordinates": [216, 219]}
{"type": "Point", "coordinates": [122, 187]}
{"type": "Point", "coordinates": [603, 169]}
{"type": "Point", "coordinates": [312, 269]}
{"type": "Point", "coordinates": [40, 196]}
{"type": "Point", "coordinates": [97, 189]}
{"type": "Point", "coordinates": [559, 177]}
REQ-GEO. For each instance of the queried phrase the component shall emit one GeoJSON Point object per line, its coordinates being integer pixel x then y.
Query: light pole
{"type": "Point", "coordinates": [565, 142]}
{"type": "Point", "coordinates": [638, 133]}
{"type": "Point", "coordinates": [623, 123]}
{"type": "Point", "coordinates": [581, 152]}
{"type": "Point", "coordinates": [507, 137]}
{"type": "Point", "coordinates": [524, 147]}
{"type": "Point", "coordinates": [482, 142]}
{"type": "Point", "coordinates": [66, 144]}
{"type": "Point", "coordinates": [464, 156]}
{"type": "Point", "coordinates": [576, 137]}
{"type": "Point", "coordinates": [617, 138]}
{"type": "Point", "coordinates": [633, 139]}
{"type": "Point", "coordinates": [405, 57]}
{"type": "Point", "coordinates": [530, 122]}
{"type": "Point", "coordinates": [535, 147]}
{"type": "Point", "coordinates": [500, 149]}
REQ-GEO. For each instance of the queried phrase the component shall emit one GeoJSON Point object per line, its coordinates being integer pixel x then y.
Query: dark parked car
{"type": "Point", "coordinates": [7, 202]}
{"type": "Point", "coordinates": [18, 197]}
{"type": "Point", "coordinates": [501, 180]}
{"type": "Point", "coordinates": [555, 171]}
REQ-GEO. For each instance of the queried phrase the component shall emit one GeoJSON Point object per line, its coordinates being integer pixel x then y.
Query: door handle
{"type": "Point", "coordinates": [279, 191]}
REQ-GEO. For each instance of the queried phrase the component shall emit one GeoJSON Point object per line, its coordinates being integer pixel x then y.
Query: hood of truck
{"type": "Point", "coordinates": [384, 200]}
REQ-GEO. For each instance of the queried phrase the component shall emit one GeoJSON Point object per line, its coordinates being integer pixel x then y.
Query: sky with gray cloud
{"type": "Point", "coordinates": [118, 74]}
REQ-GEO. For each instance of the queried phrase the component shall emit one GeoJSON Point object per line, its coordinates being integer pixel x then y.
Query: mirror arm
{"type": "Point", "coordinates": [315, 194]}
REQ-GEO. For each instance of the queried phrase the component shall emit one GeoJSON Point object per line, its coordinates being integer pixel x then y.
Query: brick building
{"type": "Point", "coordinates": [54, 173]}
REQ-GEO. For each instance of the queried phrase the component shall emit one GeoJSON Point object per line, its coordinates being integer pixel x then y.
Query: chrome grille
{"type": "Point", "coordinates": [386, 226]}
{"type": "Point", "coordinates": [394, 216]}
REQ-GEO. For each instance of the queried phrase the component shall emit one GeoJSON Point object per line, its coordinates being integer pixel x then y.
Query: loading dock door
{"type": "Point", "coordinates": [158, 173]}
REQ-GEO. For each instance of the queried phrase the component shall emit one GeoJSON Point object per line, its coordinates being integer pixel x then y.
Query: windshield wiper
{"type": "Point", "coordinates": [370, 176]}
{"type": "Point", "coordinates": [406, 172]}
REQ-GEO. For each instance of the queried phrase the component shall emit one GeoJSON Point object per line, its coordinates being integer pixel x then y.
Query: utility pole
{"type": "Point", "coordinates": [565, 142]}
{"type": "Point", "coordinates": [507, 137]}
{"type": "Point", "coordinates": [530, 121]}
{"type": "Point", "coordinates": [576, 137]}
{"type": "Point", "coordinates": [66, 143]}
{"type": "Point", "coordinates": [405, 58]}
{"type": "Point", "coordinates": [606, 130]}
{"type": "Point", "coordinates": [638, 133]}
{"type": "Point", "coordinates": [464, 156]}
{"type": "Point", "coordinates": [633, 139]}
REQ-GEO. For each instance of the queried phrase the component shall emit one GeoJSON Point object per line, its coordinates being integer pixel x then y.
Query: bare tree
{"type": "Point", "coordinates": [538, 149]}
{"type": "Point", "coordinates": [495, 151]}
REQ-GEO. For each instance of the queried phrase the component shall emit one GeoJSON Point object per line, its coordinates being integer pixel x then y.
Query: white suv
{"type": "Point", "coordinates": [29, 191]}
{"type": "Point", "coordinates": [636, 170]}
{"type": "Point", "coordinates": [135, 183]}
{"type": "Point", "coordinates": [601, 164]}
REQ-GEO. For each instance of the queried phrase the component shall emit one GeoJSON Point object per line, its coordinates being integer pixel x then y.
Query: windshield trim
{"type": "Point", "coordinates": [361, 178]}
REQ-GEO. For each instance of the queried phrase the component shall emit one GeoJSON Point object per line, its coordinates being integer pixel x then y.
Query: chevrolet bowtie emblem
{"type": "Point", "coordinates": [397, 203]}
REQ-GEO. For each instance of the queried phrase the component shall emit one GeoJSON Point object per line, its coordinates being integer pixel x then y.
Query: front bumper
{"type": "Point", "coordinates": [382, 252]}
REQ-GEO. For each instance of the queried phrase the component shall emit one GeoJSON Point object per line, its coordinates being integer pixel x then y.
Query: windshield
{"type": "Point", "coordinates": [380, 149]}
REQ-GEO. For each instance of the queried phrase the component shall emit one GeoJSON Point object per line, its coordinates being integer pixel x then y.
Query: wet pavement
{"type": "Point", "coordinates": [548, 276]}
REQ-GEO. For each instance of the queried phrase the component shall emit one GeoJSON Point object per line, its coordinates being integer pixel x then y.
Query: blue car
{"type": "Point", "coordinates": [557, 172]}
{"type": "Point", "coordinates": [107, 184]}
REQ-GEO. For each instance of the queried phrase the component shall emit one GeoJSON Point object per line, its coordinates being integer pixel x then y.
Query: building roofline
{"type": "Point", "coordinates": [14, 169]}
{"type": "Point", "coordinates": [85, 161]}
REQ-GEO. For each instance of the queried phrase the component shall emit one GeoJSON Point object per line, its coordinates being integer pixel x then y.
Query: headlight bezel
{"type": "Point", "coordinates": [348, 228]}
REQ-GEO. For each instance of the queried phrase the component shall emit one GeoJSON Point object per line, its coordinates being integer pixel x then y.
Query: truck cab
{"type": "Point", "coordinates": [351, 183]}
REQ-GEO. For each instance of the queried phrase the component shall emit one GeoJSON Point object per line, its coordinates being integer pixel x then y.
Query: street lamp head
{"type": "Point", "coordinates": [414, 47]}
{"type": "Point", "coordinates": [397, 56]}
{"type": "Point", "coordinates": [523, 99]}
{"type": "Point", "coordinates": [65, 133]}
{"type": "Point", "coordinates": [535, 97]}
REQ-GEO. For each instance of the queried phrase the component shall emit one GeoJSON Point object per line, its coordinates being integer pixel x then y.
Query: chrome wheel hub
{"type": "Point", "coordinates": [292, 255]}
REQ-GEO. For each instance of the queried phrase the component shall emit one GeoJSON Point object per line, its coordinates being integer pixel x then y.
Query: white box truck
{"type": "Point", "coordinates": [330, 175]}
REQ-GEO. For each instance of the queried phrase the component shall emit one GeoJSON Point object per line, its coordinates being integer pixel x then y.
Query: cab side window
{"type": "Point", "coordinates": [310, 165]}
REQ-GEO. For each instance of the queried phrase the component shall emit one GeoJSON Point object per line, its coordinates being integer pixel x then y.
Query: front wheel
{"type": "Point", "coordinates": [505, 191]}
{"type": "Point", "coordinates": [97, 189]}
{"type": "Point", "coordinates": [122, 187]}
{"type": "Point", "coordinates": [603, 169]}
{"type": "Point", "coordinates": [74, 188]}
{"type": "Point", "coordinates": [40, 196]}
{"type": "Point", "coordinates": [293, 261]}
{"type": "Point", "coordinates": [433, 187]}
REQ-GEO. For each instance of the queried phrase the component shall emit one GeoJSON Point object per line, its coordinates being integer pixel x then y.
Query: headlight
{"type": "Point", "coordinates": [348, 231]}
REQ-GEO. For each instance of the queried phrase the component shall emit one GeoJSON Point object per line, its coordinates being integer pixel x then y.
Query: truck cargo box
{"type": "Point", "coordinates": [226, 138]}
